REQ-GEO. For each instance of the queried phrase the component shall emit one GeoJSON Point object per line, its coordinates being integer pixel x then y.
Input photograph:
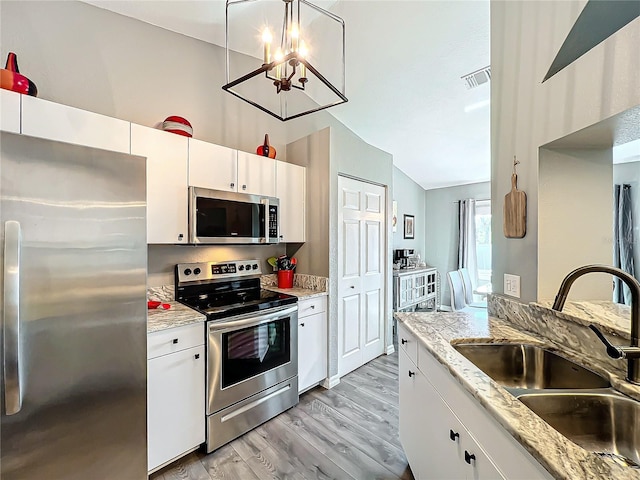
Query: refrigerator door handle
{"type": "Point", "coordinates": [11, 318]}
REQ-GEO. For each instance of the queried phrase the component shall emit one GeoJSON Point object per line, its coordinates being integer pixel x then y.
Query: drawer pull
{"type": "Point", "coordinates": [468, 457]}
{"type": "Point", "coordinates": [175, 340]}
{"type": "Point", "coordinates": [197, 355]}
{"type": "Point", "coordinates": [411, 374]}
{"type": "Point", "coordinates": [453, 435]}
{"type": "Point", "coordinates": [404, 341]}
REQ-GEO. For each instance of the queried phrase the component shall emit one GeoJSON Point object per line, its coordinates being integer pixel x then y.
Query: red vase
{"type": "Point", "coordinates": [266, 150]}
{"type": "Point", "coordinates": [11, 79]}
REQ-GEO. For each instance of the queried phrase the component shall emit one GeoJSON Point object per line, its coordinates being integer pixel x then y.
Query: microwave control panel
{"type": "Point", "coordinates": [273, 221]}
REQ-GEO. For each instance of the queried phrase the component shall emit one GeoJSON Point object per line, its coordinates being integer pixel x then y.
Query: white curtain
{"type": "Point", "coordinates": [623, 241]}
{"type": "Point", "coordinates": [467, 238]}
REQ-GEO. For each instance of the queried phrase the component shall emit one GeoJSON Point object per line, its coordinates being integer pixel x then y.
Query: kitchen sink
{"type": "Point", "coordinates": [522, 366]}
{"type": "Point", "coordinates": [605, 423]}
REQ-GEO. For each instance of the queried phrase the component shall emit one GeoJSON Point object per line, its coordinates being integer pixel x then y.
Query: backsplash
{"type": "Point", "coordinates": [561, 328]}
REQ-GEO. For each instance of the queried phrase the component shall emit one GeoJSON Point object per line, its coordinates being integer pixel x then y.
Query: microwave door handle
{"type": "Point", "coordinates": [11, 318]}
{"type": "Point", "coordinates": [265, 201]}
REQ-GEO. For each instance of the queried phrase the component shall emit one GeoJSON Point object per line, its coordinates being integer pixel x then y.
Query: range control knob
{"type": "Point", "coordinates": [255, 266]}
{"type": "Point", "coordinates": [197, 271]}
{"type": "Point", "coordinates": [187, 271]}
{"type": "Point", "coordinates": [241, 267]}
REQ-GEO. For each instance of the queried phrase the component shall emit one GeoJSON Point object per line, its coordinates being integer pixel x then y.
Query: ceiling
{"type": "Point", "coordinates": [404, 63]}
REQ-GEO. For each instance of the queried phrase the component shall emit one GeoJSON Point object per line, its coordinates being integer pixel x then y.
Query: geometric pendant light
{"type": "Point", "coordinates": [275, 51]}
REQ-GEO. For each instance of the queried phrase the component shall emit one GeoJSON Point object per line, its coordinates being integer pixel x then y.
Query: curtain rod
{"type": "Point", "coordinates": [476, 199]}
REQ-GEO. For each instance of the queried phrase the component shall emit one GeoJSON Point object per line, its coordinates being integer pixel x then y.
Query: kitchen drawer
{"type": "Point", "coordinates": [312, 306]}
{"type": "Point", "coordinates": [174, 340]}
{"type": "Point", "coordinates": [407, 342]}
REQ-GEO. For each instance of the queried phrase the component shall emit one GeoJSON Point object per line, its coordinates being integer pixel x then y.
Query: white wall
{"type": "Point", "coordinates": [526, 114]}
{"type": "Point", "coordinates": [410, 198]}
{"type": "Point", "coordinates": [441, 228]}
{"type": "Point", "coordinates": [629, 173]}
{"type": "Point", "coordinates": [575, 219]}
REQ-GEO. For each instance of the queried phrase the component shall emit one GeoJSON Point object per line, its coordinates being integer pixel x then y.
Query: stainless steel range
{"type": "Point", "coordinates": [252, 345]}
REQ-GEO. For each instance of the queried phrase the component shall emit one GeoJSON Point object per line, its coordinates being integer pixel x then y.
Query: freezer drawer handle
{"type": "Point", "coordinates": [11, 318]}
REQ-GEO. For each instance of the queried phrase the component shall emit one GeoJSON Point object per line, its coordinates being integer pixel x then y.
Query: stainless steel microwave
{"type": "Point", "coordinates": [218, 217]}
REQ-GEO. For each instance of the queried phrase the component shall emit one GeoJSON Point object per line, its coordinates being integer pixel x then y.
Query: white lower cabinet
{"type": "Point", "coordinates": [446, 435]}
{"type": "Point", "coordinates": [312, 342]}
{"type": "Point", "coordinates": [175, 394]}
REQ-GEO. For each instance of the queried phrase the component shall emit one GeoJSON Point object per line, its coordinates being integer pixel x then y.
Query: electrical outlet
{"type": "Point", "coordinates": [512, 285]}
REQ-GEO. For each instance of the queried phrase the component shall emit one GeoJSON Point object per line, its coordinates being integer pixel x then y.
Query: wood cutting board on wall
{"type": "Point", "coordinates": [515, 211]}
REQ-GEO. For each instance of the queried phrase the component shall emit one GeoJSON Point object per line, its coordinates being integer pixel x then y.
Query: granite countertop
{"type": "Point", "coordinates": [177, 316]}
{"type": "Point", "coordinates": [301, 293]}
{"type": "Point", "coordinates": [560, 457]}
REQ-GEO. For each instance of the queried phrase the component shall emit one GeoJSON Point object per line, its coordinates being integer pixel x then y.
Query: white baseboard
{"type": "Point", "coordinates": [331, 382]}
{"type": "Point", "coordinates": [390, 349]}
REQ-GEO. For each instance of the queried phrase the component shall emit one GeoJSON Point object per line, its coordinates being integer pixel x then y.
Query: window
{"type": "Point", "coordinates": [483, 241]}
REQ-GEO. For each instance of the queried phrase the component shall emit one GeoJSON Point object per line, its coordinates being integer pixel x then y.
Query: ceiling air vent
{"type": "Point", "coordinates": [477, 78]}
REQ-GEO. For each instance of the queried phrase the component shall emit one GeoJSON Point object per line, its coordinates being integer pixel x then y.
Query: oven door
{"type": "Point", "coordinates": [218, 217]}
{"type": "Point", "coordinates": [250, 353]}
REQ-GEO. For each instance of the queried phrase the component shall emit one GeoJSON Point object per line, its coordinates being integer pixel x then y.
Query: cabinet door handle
{"type": "Point", "coordinates": [175, 340]}
{"type": "Point", "coordinates": [244, 187]}
{"type": "Point", "coordinates": [453, 435]}
{"type": "Point", "coordinates": [468, 457]}
{"type": "Point", "coordinates": [313, 306]}
{"type": "Point", "coordinates": [180, 236]}
{"type": "Point", "coordinates": [404, 341]}
{"type": "Point", "coordinates": [411, 374]}
{"type": "Point", "coordinates": [232, 185]}
{"type": "Point", "coordinates": [352, 286]}
{"type": "Point", "coordinates": [302, 324]}
{"type": "Point", "coordinates": [197, 355]}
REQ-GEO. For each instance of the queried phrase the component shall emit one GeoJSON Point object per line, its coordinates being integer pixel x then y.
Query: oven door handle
{"type": "Point", "coordinates": [252, 320]}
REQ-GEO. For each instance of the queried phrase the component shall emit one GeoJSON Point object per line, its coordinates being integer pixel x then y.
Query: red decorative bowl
{"type": "Point", "coordinates": [177, 125]}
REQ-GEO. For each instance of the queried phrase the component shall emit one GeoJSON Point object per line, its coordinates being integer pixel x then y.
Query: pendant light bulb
{"type": "Point", "coordinates": [266, 40]}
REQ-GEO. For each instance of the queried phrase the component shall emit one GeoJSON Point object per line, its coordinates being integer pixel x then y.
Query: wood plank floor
{"type": "Point", "coordinates": [349, 432]}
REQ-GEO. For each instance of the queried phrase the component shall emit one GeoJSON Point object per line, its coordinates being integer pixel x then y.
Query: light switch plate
{"type": "Point", "coordinates": [512, 285]}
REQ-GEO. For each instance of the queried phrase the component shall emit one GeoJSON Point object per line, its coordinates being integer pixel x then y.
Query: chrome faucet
{"type": "Point", "coordinates": [631, 353]}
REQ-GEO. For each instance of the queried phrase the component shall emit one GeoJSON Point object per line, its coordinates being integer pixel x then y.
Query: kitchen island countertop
{"type": "Point", "coordinates": [560, 457]}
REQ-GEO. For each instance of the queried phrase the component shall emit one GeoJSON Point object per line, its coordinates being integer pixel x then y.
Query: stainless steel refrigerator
{"type": "Point", "coordinates": [73, 264]}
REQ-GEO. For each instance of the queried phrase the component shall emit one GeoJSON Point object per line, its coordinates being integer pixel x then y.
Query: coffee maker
{"type": "Point", "coordinates": [401, 256]}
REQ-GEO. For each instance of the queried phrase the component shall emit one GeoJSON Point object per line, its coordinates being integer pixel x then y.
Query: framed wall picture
{"type": "Point", "coordinates": [409, 227]}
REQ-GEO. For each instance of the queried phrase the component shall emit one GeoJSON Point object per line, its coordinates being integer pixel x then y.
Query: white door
{"type": "Point", "coordinates": [212, 166]}
{"type": "Point", "coordinates": [361, 266]}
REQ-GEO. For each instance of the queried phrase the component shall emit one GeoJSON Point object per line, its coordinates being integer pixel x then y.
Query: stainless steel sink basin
{"type": "Point", "coordinates": [529, 367]}
{"type": "Point", "coordinates": [605, 423]}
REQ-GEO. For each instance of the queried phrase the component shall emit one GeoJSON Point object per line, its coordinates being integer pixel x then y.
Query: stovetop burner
{"type": "Point", "coordinates": [222, 290]}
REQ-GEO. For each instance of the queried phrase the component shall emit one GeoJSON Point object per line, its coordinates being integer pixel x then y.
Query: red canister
{"type": "Point", "coordinates": [285, 278]}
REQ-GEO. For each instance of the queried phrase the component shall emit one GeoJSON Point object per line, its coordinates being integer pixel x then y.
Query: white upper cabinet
{"type": "Point", "coordinates": [44, 119]}
{"type": "Point", "coordinates": [9, 111]}
{"type": "Point", "coordinates": [291, 190]}
{"type": "Point", "coordinates": [256, 174]}
{"type": "Point", "coordinates": [212, 166]}
{"type": "Point", "coordinates": [167, 157]}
